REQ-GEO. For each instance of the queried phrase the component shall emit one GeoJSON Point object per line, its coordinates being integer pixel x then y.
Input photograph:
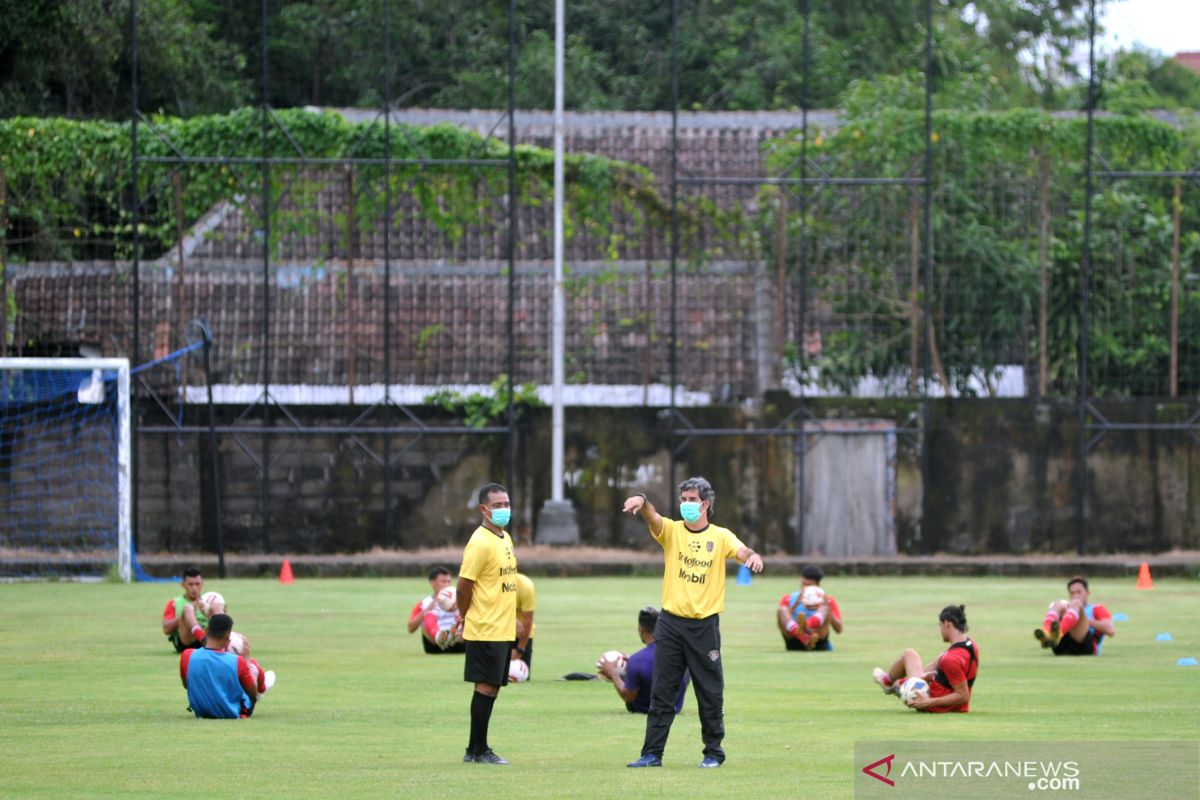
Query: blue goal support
{"type": "Point", "coordinates": [65, 459]}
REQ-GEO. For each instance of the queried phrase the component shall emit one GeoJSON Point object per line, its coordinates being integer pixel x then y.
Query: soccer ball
{"type": "Point", "coordinates": [913, 689]}
{"type": "Point", "coordinates": [611, 656]}
{"type": "Point", "coordinates": [210, 599]}
{"type": "Point", "coordinates": [812, 596]}
{"type": "Point", "coordinates": [447, 598]}
{"type": "Point", "coordinates": [518, 671]}
{"type": "Point", "coordinates": [239, 644]}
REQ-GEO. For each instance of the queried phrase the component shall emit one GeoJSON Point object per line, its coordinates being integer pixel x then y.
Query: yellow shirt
{"type": "Point", "coordinates": [694, 569]}
{"type": "Point", "coordinates": [526, 599]}
{"type": "Point", "coordinates": [488, 560]}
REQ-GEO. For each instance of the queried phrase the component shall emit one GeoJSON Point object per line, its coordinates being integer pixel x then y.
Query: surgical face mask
{"type": "Point", "coordinates": [690, 511]}
{"type": "Point", "coordinates": [501, 516]}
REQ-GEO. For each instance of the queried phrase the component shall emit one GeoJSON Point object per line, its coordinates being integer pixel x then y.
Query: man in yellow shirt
{"type": "Point", "coordinates": [526, 605]}
{"type": "Point", "coordinates": [688, 631]}
{"type": "Point", "coordinates": [487, 606]}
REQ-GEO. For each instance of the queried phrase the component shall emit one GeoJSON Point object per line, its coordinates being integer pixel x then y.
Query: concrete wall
{"type": "Point", "coordinates": [1002, 480]}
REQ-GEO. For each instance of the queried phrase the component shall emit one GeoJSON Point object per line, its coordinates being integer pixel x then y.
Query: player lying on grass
{"type": "Point", "coordinates": [1075, 627]}
{"type": "Point", "coordinates": [806, 616]}
{"type": "Point", "coordinates": [435, 615]}
{"type": "Point", "coordinates": [220, 683]}
{"type": "Point", "coordinates": [185, 617]}
{"type": "Point", "coordinates": [950, 676]}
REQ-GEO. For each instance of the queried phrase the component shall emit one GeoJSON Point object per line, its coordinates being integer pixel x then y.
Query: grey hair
{"type": "Point", "coordinates": [705, 489]}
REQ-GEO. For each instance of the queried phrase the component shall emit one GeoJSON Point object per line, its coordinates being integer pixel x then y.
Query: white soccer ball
{"type": "Point", "coordinates": [611, 657]}
{"type": "Point", "coordinates": [518, 671]}
{"type": "Point", "coordinates": [913, 689]}
{"type": "Point", "coordinates": [812, 596]}
{"type": "Point", "coordinates": [447, 598]}
{"type": "Point", "coordinates": [209, 600]}
{"type": "Point", "coordinates": [239, 644]}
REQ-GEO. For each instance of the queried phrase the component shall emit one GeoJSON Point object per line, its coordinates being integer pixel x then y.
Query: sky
{"type": "Point", "coordinates": [1169, 26]}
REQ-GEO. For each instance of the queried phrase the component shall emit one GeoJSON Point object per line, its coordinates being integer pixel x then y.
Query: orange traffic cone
{"type": "Point", "coordinates": [285, 572]}
{"type": "Point", "coordinates": [1144, 581]}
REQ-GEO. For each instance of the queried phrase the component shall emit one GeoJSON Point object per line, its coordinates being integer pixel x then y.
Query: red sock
{"type": "Point", "coordinates": [815, 621]}
{"type": "Point", "coordinates": [1048, 622]}
{"type": "Point", "coordinates": [1069, 618]}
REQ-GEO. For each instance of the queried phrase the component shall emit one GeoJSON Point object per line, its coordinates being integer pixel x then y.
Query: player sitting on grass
{"type": "Point", "coordinates": [220, 683]}
{"type": "Point", "coordinates": [435, 621]}
{"type": "Point", "coordinates": [950, 676]}
{"type": "Point", "coordinates": [1075, 627]}
{"type": "Point", "coordinates": [184, 619]}
{"type": "Point", "coordinates": [806, 616]}
{"type": "Point", "coordinates": [634, 684]}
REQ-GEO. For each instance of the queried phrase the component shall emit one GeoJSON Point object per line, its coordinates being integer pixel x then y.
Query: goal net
{"type": "Point", "coordinates": [65, 488]}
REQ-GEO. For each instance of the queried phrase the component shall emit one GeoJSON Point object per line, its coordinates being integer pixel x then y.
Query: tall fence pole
{"type": "Point", "coordinates": [1085, 276]}
{"type": "Point", "coordinates": [3, 264]}
{"type": "Point", "coordinates": [214, 455]}
{"type": "Point", "coordinates": [1177, 208]}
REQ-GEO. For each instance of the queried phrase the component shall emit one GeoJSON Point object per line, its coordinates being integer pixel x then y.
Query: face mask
{"type": "Point", "coordinates": [501, 516]}
{"type": "Point", "coordinates": [690, 512]}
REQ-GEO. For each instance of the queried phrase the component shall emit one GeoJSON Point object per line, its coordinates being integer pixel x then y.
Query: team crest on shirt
{"type": "Point", "coordinates": [714, 655]}
{"type": "Point", "coordinates": [709, 546]}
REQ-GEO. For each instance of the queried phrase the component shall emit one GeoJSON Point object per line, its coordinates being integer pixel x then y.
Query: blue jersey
{"type": "Point", "coordinates": [639, 677]}
{"type": "Point", "coordinates": [214, 690]}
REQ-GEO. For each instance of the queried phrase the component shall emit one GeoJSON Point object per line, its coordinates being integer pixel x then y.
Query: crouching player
{"type": "Point", "coordinates": [185, 617]}
{"type": "Point", "coordinates": [806, 616]}
{"type": "Point", "coordinates": [220, 683]}
{"type": "Point", "coordinates": [950, 676]}
{"type": "Point", "coordinates": [1075, 627]}
{"type": "Point", "coordinates": [434, 616]}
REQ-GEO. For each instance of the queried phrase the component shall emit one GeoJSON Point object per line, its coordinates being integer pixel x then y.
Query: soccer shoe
{"type": "Point", "coordinates": [647, 760]}
{"type": "Point", "coordinates": [709, 763]}
{"type": "Point", "coordinates": [444, 638]}
{"type": "Point", "coordinates": [884, 680]}
{"type": "Point", "coordinates": [269, 679]}
{"type": "Point", "coordinates": [1050, 639]}
{"type": "Point", "coordinates": [468, 757]}
{"type": "Point", "coordinates": [489, 757]}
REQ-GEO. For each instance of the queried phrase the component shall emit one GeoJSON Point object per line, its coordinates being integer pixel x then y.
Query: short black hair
{"type": "Point", "coordinates": [956, 616]}
{"type": "Point", "coordinates": [813, 573]}
{"type": "Point", "coordinates": [648, 618]}
{"type": "Point", "coordinates": [489, 489]}
{"type": "Point", "coordinates": [437, 572]}
{"type": "Point", "coordinates": [219, 626]}
{"type": "Point", "coordinates": [192, 572]}
{"type": "Point", "coordinates": [1078, 579]}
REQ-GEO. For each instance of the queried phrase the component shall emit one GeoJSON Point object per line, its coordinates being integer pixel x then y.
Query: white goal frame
{"type": "Point", "coordinates": [124, 448]}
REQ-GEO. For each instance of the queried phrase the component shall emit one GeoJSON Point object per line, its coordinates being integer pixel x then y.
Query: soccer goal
{"type": "Point", "coordinates": [65, 481]}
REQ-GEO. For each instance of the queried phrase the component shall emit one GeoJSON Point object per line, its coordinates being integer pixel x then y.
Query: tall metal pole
{"type": "Point", "coordinates": [389, 535]}
{"type": "Point", "coordinates": [1085, 289]}
{"type": "Point", "coordinates": [265, 209]}
{"type": "Point", "coordinates": [559, 317]}
{"type": "Point", "coordinates": [674, 233]}
{"type": "Point", "coordinates": [510, 412]}
{"type": "Point", "coordinates": [927, 277]}
{"type": "Point", "coordinates": [802, 439]}
{"type": "Point", "coordinates": [214, 455]}
{"type": "Point", "coordinates": [136, 283]}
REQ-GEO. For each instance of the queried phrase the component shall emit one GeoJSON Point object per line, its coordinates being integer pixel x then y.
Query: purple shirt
{"type": "Point", "coordinates": [639, 677]}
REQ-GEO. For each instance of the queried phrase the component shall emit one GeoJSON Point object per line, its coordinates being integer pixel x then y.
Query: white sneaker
{"type": "Point", "coordinates": [883, 679]}
{"type": "Point", "coordinates": [269, 679]}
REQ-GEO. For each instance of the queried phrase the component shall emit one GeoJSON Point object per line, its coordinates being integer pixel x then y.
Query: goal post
{"type": "Point", "coordinates": [65, 467]}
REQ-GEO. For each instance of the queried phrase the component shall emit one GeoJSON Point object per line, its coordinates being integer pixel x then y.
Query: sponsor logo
{"type": "Point", "coordinates": [694, 546]}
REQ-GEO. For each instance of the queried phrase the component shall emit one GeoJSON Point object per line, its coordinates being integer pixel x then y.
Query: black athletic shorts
{"type": "Point", "coordinates": [794, 644]}
{"type": "Point", "coordinates": [432, 649]}
{"type": "Point", "coordinates": [1069, 647]}
{"type": "Point", "coordinates": [487, 662]}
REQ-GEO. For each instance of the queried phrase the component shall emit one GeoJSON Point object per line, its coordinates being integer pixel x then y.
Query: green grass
{"type": "Point", "coordinates": [91, 705]}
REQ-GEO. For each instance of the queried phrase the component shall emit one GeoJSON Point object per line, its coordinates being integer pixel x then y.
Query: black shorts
{"type": "Point", "coordinates": [1069, 647]}
{"type": "Point", "coordinates": [487, 662]}
{"type": "Point", "coordinates": [794, 644]}
{"type": "Point", "coordinates": [432, 649]}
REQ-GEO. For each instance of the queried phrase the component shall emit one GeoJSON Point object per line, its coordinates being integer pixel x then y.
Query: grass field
{"type": "Point", "coordinates": [91, 705]}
